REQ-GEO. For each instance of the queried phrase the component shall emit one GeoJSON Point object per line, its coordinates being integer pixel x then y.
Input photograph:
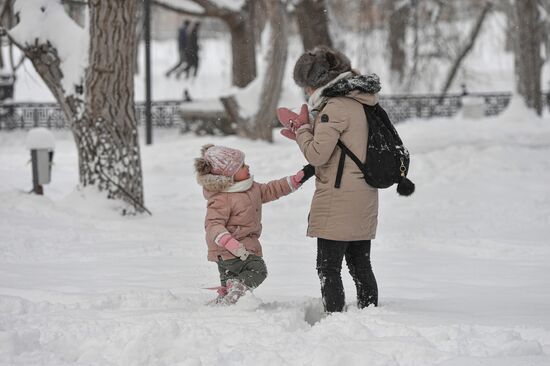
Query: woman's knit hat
{"type": "Point", "coordinates": [318, 67]}
{"type": "Point", "coordinates": [219, 160]}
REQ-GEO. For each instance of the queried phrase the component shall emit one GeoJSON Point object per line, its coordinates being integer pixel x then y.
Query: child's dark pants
{"type": "Point", "coordinates": [329, 264]}
{"type": "Point", "coordinates": [252, 272]}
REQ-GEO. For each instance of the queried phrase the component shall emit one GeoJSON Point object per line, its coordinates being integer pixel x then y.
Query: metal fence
{"type": "Point", "coordinates": [50, 115]}
{"type": "Point", "coordinates": [168, 114]}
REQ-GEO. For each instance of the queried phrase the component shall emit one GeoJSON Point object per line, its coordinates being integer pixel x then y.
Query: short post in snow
{"type": "Point", "coordinates": [41, 143]}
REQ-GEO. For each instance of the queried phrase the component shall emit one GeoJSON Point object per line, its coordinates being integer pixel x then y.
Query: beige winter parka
{"type": "Point", "coordinates": [239, 213]}
{"type": "Point", "coordinates": [350, 212]}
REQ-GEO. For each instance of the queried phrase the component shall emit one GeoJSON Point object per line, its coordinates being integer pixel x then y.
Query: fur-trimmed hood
{"type": "Point", "coordinates": [369, 84]}
{"type": "Point", "coordinates": [214, 183]}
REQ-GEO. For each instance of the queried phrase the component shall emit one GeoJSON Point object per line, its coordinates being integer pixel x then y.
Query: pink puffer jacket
{"type": "Point", "coordinates": [239, 213]}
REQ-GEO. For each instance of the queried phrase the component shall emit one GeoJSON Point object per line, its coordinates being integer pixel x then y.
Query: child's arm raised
{"type": "Point", "coordinates": [281, 187]}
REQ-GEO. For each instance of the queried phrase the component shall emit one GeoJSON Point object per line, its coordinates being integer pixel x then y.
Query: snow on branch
{"type": "Point", "coordinates": [234, 5]}
{"type": "Point", "coordinates": [45, 21]}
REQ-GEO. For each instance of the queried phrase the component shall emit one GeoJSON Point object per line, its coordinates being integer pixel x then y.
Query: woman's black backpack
{"type": "Point", "coordinates": [387, 161]}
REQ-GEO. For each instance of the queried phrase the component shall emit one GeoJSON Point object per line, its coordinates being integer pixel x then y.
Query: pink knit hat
{"type": "Point", "coordinates": [223, 160]}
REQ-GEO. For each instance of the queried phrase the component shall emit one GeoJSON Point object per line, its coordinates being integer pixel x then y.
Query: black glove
{"type": "Point", "coordinates": [309, 171]}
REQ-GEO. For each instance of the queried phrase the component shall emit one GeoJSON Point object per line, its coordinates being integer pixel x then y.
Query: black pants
{"type": "Point", "coordinates": [329, 264]}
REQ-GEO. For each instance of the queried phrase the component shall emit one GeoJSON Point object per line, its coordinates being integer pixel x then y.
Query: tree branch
{"type": "Point", "coordinates": [210, 9]}
{"type": "Point", "coordinates": [467, 48]}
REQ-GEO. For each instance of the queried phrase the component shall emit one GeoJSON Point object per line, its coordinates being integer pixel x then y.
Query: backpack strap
{"type": "Point", "coordinates": [340, 171]}
{"type": "Point", "coordinates": [346, 151]}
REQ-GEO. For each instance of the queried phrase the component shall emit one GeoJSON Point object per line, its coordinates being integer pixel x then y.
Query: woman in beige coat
{"type": "Point", "coordinates": [343, 217]}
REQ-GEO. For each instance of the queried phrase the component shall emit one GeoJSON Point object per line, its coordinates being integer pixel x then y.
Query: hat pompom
{"type": "Point", "coordinates": [202, 166]}
{"type": "Point", "coordinates": [405, 187]}
{"type": "Point", "coordinates": [205, 147]}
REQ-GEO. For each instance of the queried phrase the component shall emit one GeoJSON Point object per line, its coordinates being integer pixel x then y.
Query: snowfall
{"type": "Point", "coordinates": [462, 265]}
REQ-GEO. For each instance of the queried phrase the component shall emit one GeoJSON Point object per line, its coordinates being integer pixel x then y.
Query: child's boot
{"type": "Point", "coordinates": [222, 292]}
{"type": "Point", "coordinates": [235, 289]}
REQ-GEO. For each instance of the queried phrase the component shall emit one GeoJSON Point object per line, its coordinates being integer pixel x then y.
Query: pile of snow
{"type": "Point", "coordinates": [40, 138]}
{"type": "Point", "coordinates": [462, 265]}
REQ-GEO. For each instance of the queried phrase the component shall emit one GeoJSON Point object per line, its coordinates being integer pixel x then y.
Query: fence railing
{"type": "Point", "coordinates": [50, 115]}
{"type": "Point", "coordinates": [168, 113]}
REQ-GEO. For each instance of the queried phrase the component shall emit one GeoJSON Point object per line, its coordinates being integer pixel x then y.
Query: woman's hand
{"type": "Point", "coordinates": [292, 121]}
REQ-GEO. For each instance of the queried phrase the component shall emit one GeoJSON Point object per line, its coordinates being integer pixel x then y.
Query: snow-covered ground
{"type": "Point", "coordinates": [462, 265]}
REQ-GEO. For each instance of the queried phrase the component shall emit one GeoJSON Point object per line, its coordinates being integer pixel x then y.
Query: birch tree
{"type": "Point", "coordinates": [96, 93]}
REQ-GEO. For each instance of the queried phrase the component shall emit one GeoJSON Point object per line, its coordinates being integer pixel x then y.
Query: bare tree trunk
{"type": "Point", "coordinates": [243, 49]}
{"type": "Point", "coordinates": [104, 124]}
{"type": "Point", "coordinates": [258, 14]}
{"type": "Point", "coordinates": [399, 19]}
{"type": "Point", "coordinates": [273, 82]}
{"type": "Point", "coordinates": [527, 47]}
{"type": "Point", "coordinates": [546, 32]}
{"type": "Point", "coordinates": [416, 45]}
{"type": "Point", "coordinates": [260, 126]}
{"type": "Point", "coordinates": [312, 19]}
{"type": "Point", "coordinates": [467, 47]}
{"type": "Point", "coordinates": [139, 37]}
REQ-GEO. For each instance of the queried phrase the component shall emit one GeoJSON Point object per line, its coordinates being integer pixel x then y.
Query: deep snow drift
{"type": "Point", "coordinates": [462, 265]}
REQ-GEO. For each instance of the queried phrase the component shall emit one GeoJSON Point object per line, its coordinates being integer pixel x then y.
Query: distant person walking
{"type": "Point", "coordinates": [192, 52]}
{"type": "Point", "coordinates": [182, 47]}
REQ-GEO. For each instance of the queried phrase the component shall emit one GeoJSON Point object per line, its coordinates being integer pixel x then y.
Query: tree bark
{"type": "Point", "coordinates": [312, 19]}
{"type": "Point", "coordinates": [399, 19]}
{"type": "Point", "coordinates": [260, 126]}
{"type": "Point", "coordinates": [273, 81]}
{"type": "Point", "coordinates": [243, 48]}
{"type": "Point", "coordinates": [104, 125]}
{"type": "Point", "coordinates": [527, 47]}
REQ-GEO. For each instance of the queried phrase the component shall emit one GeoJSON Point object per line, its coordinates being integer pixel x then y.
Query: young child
{"type": "Point", "coordinates": [233, 217]}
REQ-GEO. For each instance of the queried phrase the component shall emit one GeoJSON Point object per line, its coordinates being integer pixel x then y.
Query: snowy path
{"type": "Point", "coordinates": [462, 266]}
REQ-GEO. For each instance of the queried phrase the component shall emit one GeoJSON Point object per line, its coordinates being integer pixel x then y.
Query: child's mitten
{"type": "Point", "coordinates": [233, 246]}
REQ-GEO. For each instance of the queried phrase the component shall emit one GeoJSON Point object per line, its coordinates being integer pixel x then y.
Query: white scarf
{"type": "Point", "coordinates": [242, 186]}
{"type": "Point", "coordinates": [315, 100]}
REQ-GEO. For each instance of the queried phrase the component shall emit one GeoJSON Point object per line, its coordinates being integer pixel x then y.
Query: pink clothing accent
{"type": "Point", "coordinates": [233, 246]}
{"type": "Point", "coordinates": [291, 120]}
{"type": "Point", "coordinates": [295, 179]}
{"type": "Point", "coordinates": [224, 160]}
{"type": "Point", "coordinates": [222, 291]}
{"type": "Point", "coordinates": [288, 134]}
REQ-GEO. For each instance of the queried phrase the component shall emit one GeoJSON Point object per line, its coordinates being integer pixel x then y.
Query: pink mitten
{"type": "Point", "coordinates": [292, 120]}
{"type": "Point", "coordinates": [296, 178]}
{"type": "Point", "coordinates": [233, 246]}
{"type": "Point", "coordinates": [288, 134]}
